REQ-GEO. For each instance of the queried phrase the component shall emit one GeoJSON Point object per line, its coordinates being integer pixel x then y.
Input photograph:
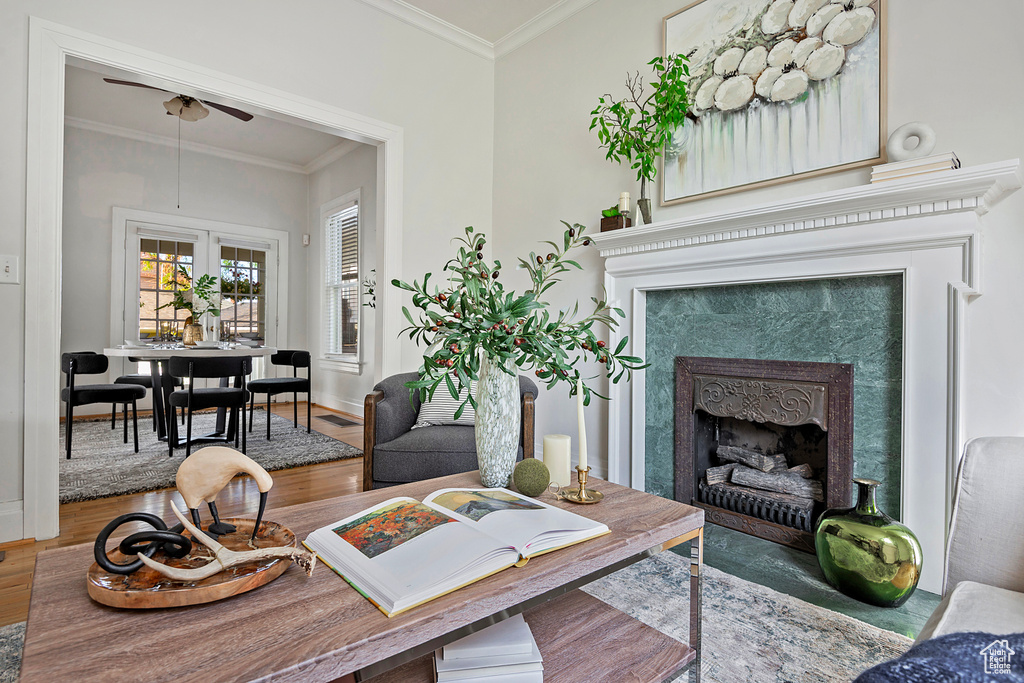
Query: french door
{"type": "Point", "coordinates": [161, 261]}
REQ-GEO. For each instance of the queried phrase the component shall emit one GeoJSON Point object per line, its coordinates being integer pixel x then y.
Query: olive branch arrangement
{"type": "Point", "coordinates": [474, 316]}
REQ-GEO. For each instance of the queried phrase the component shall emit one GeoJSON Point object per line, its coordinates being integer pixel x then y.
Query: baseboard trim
{"type": "Point", "coordinates": [12, 521]}
{"type": "Point", "coordinates": [336, 403]}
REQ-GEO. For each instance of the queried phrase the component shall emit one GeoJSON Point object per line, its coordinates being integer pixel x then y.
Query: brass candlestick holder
{"type": "Point", "coordinates": [582, 495]}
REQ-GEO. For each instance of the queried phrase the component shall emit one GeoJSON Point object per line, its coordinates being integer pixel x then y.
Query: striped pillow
{"type": "Point", "coordinates": [441, 410]}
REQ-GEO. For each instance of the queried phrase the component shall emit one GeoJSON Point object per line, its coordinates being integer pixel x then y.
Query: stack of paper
{"type": "Point", "coordinates": [503, 653]}
{"type": "Point", "coordinates": [913, 167]}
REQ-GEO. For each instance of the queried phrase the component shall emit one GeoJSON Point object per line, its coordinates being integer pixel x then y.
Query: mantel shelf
{"type": "Point", "coordinates": [976, 189]}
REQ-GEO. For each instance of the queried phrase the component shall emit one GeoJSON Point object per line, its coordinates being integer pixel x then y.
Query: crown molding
{"type": "Point", "coordinates": [199, 148]}
{"type": "Point", "coordinates": [543, 22]}
{"type": "Point", "coordinates": [975, 188]}
{"type": "Point", "coordinates": [414, 16]}
{"type": "Point", "coordinates": [330, 156]}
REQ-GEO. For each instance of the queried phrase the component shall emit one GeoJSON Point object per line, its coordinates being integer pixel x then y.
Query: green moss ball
{"type": "Point", "coordinates": [531, 477]}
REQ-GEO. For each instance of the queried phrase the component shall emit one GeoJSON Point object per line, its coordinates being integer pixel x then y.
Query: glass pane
{"type": "Point", "coordinates": [147, 305]}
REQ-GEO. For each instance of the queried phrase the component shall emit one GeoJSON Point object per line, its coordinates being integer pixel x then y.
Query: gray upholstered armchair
{"type": "Point", "coordinates": [395, 453]}
{"type": "Point", "coordinates": [983, 585]}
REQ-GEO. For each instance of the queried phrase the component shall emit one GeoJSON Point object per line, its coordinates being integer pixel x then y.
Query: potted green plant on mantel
{"type": "Point", "coordinates": [637, 128]}
{"type": "Point", "coordinates": [474, 330]}
{"type": "Point", "coordinates": [198, 298]}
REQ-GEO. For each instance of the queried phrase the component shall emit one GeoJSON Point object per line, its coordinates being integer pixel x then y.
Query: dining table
{"type": "Point", "coordinates": [158, 355]}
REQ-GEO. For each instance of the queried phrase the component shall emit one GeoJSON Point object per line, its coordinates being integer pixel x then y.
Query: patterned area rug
{"type": "Point", "coordinates": [11, 639]}
{"type": "Point", "coordinates": [103, 465]}
{"type": "Point", "coordinates": [750, 633]}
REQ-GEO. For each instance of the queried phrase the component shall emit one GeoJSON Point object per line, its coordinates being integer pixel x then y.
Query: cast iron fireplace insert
{"type": "Point", "coordinates": [801, 410]}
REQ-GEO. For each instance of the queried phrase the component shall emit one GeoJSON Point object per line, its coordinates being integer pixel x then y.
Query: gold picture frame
{"type": "Point", "coordinates": [832, 125]}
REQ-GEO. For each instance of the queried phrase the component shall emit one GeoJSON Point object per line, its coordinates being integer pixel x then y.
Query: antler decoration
{"type": "Point", "coordinates": [224, 558]}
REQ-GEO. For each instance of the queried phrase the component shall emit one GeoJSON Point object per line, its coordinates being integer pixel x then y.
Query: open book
{"type": "Point", "coordinates": [402, 553]}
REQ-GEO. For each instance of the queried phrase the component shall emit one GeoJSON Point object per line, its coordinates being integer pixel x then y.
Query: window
{"type": "Point", "coordinates": [341, 280]}
{"type": "Point", "coordinates": [243, 306]}
{"type": "Point", "coordinates": [165, 266]}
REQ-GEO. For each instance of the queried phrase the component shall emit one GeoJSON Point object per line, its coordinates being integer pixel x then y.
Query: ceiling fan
{"type": "Point", "coordinates": [187, 108]}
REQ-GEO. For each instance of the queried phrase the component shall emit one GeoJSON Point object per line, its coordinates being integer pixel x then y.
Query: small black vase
{"type": "Point", "coordinates": [866, 554]}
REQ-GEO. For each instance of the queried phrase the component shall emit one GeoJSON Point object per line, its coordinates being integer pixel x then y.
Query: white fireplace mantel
{"type": "Point", "coordinates": [926, 229]}
{"type": "Point", "coordinates": [975, 189]}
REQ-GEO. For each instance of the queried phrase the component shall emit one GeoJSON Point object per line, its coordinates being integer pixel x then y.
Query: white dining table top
{"type": "Point", "coordinates": [149, 352]}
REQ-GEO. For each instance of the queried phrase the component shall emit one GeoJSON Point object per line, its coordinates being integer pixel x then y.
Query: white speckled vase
{"type": "Point", "coordinates": [497, 422]}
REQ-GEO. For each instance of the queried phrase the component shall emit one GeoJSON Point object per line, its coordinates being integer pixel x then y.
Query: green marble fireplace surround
{"type": "Point", "coordinates": [857, 320]}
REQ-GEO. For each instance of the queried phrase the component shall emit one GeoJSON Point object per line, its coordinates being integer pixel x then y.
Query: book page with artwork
{"type": "Point", "coordinates": [401, 553]}
{"type": "Point", "coordinates": [530, 526]}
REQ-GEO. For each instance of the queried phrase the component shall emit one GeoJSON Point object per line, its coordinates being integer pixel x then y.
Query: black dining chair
{"type": "Point", "coordinates": [90, 363]}
{"type": "Point", "coordinates": [190, 399]}
{"type": "Point", "coordinates": [284, 385]}
{"type": "Point", "coordinates": [141, 380]}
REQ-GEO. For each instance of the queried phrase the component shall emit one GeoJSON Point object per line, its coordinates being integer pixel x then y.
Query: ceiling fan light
{"type": "Point", "coordinates": [194, 111]}
{"type": "Point", "coordinates": [174, 106]}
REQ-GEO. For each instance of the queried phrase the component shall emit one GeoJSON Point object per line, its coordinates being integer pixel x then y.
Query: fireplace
{"type": "Point", "coordinates": [764, 446]}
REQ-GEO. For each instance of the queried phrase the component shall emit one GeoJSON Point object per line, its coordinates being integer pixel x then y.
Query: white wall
{"type": "Point", "coordinates": [334, 385]}
{"type": "Point", "coordinates": [339, 52]}
{"type": "Point", "coordinates": [958, 67]}
{"type": "Point", "coordinates": [103, 171]}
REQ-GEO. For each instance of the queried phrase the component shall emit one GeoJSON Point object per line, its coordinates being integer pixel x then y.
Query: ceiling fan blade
{"type": "Point", "coordinates": [133, 84]}
{"type": "Point", "coordinates": [237, 113]}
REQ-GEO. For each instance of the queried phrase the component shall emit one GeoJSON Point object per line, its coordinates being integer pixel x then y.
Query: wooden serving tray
{"type": "Point", "coordinates": [148, 589]}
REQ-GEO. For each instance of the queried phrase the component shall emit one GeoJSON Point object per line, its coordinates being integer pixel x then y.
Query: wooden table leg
{"type": "Point", "coordinates": [696, 564]}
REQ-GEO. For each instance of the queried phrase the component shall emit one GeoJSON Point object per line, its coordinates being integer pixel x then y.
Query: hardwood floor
{"type": "Point", "coordinates": [81, 522]}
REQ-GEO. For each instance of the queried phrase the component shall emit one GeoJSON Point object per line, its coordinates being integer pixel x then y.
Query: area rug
{"type": "Point", "coordinates": [12, 638]}
{"type": "Point", "coordinates": [103, 465]}
{"type": "Point", "coordinates": [750, 633]}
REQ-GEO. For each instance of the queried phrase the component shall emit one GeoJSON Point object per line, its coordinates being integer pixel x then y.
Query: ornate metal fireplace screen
{"type": "Point", "coordinates": [764, 446]}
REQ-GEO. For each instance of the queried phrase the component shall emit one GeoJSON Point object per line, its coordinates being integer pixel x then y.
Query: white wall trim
{"type": "Point", "coordinates": [440, 28]}
{"type": "Point", "coordinates": [187, 145]}
{"type": "Point", "coordinates": [11, 521]}
{"type": "Point", "coordinates": [51, 45]}
{"type": "Point", "coordinates": [543, 22]}
{"type": "Point", "coordinates": [333, 402]}
{"type": "Point", "coordinates": [938, 253]}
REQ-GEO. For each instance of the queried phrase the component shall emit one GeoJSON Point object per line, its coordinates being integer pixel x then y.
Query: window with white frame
{"type": "Point", "coordinates": [341, 280]}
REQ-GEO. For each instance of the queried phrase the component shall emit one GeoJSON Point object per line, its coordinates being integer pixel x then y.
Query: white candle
{"type": "Point", "coordinates": [624, 203]}
{"type": "Point", "coordinates": [582, 425]}
{"type": "Point", "coordinates": [557, 456]}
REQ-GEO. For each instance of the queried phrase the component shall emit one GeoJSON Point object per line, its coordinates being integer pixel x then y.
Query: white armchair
{"type": "Point", "coordinates": [983, 584]}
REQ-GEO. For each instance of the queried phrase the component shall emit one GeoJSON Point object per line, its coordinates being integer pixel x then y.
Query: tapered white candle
{"type": "Point", "coordinates": [558, 456]}
{"type": "Point", "coordinates": [583, 427]}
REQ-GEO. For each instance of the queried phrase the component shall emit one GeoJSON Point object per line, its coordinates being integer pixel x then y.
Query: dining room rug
{"type": "Point", "coordinates": [750, 632]}
{"type": "Point", "coordinates": [12, 637]}
{"type": "Point", "coordinates": [103, 465]}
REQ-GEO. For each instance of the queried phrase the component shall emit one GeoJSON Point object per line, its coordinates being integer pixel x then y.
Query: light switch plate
{"type": "Point", "coordinates": [9, 274]}
{"type": "Point", "coordinates": [305, 240]}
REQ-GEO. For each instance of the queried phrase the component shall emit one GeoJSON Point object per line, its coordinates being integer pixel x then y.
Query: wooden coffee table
{"type": "Point", "coordinates": [318, 628]}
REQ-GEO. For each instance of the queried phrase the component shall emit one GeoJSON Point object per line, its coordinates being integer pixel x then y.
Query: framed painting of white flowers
{"type": "Point", "coordinates": [778, 89]}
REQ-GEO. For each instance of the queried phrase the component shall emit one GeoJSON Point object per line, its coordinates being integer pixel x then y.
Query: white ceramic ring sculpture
{"type": "Point", "coordinates": [897, 145]}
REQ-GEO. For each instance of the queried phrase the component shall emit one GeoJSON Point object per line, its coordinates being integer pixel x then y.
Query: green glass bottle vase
{"type": "Point", "coordinates": [865, 553]}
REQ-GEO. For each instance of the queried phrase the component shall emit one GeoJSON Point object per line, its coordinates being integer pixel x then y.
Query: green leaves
{"type": "Point", "coordinates": [473, 316]}
{"type": "Point", "coordinates": [637, 129]}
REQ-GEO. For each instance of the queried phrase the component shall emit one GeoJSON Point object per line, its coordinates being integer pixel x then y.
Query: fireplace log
{"type": "Point", "coordinates": [719, 475]}
{"type": "Point", "coordinates": [804, 470]}
{"type": "Point", "coordinates": [782, 483]}
{"type": "Point", "coordinates": [759, 461]}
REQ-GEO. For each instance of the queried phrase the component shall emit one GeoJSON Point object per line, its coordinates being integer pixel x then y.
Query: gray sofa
{"type": "Point", "coordinates": [983, 585]}
{"type": "Point", "coordinates": [395, 453]}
